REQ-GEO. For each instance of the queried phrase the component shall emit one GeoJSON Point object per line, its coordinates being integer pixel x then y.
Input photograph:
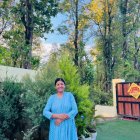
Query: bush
{"type": "Point", "coordinates": [100, 97]}
{"type": "Point", "coordinates": [35, 98]}
{"type": "Point", "coordinates": [11, 110]}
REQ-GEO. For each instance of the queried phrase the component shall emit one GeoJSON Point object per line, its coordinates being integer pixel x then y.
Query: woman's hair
{"type": "Point", "coordinates": [59, 79]}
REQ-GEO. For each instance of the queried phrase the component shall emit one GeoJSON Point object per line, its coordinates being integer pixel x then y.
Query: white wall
{"type": "Point", "coordinates": [106, 111]}
{"type": "Point", "coordinates": [15, 73]}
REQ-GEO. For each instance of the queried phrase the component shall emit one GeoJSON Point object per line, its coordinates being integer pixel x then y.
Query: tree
{"type": "Point", "coordinates": [129, 29]}
{"type": "Point", "coordinates": [124, 11]}
{"type": "Point", "coordinates": [34, 19]}
{"type": "Point", "coordinates": [17, 49]}
{"type": "Point", "coordinates": [102, 14]}
{"type": "Point", "coordinates": [117, 39]}
{"type": "Point", "coordinates": [74, 25]}
{"type": "Point", "coordinates": [15, 39]}
{"type": "Point", "coordinates": [76, 28]}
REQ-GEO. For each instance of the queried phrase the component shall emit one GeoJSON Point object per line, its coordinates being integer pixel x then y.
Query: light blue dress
{"type": "Point", "coordinates": [66, 130]}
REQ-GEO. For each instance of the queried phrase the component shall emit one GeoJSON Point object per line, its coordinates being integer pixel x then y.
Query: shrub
{"type": "Point", "coordinates": [100, 97]}
{"type": "Point", "coordinates": [11, 109]}
{"type": "Point", "coordinates": [35, 98]}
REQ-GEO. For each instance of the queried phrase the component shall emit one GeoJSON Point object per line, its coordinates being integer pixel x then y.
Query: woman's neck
{"type": "Point", "coordinates": [60, 94]}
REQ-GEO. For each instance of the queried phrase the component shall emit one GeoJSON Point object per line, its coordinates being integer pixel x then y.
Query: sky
{"type": "Point", "coordinates": [56, 37]}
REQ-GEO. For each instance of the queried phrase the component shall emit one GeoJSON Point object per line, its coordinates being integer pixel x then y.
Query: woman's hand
{"type": "Point", "coordinates": [58, 121]}
{"type": "Point", "coordinates": [63, 116]}
{"type": "Point", "coordinates": [60, 116]}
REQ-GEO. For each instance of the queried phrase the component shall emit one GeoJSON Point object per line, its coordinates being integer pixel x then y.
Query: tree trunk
{"type": "Point", "coordinates": [27, 20]}
{"type": "Point", "coordinates": [76, 33]}
{"type": "Point", "coordinates": [123, 9]}
{"type": "Point", "coordinates": [107, 49]}
{"type": "Point", "coordinates": [108, 65]}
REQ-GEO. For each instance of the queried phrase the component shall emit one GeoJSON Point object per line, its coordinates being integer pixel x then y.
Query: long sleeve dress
{"type": "Point", "coordinates": [66, 130]}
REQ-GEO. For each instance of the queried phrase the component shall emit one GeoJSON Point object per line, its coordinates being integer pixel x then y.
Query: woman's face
{"type": "Point", "coordinates": [60, 86]}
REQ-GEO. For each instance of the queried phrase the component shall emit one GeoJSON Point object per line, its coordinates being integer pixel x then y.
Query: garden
{"type": "Point", "coordinates": [86, 42]}
{"type": "Point", "coordinates": [22, 103]}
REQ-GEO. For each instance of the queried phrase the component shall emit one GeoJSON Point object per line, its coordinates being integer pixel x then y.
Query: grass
{"type": "Point", "coordinates": [119, 130]}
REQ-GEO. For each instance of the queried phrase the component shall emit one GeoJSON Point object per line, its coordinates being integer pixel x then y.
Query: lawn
{"type": "Point", "coordinates": [119, 130]}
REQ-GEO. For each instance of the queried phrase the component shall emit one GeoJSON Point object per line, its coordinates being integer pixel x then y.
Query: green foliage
{"type": "Point", "coordinates": [86, 67]}
{"type": "Point", "coordinates": [15, 55]}
{"type": "Point", "coordinates": [131, 74]}
{"type": "Point", "coordinates": [122, 60]}
{"type": "Point", "coordinates": [5, 17]}
{"type": "Point", "coordinates": [21, 21]}
{"type": "Point", "coordinates": [87, 72]}
{"type": "Point", "coordinates": [15, 39]}
{"type": "Point", "coordinates": [35, 98]}
{"type": "Point", "coordinates": [5, 56]}
{"type": "Point", "coordinates": [37, 93]}
{"type": "Point", "coordinates": [41, 14]}
{"type": "Point", "coordinates": [35, 61]}
{"type": "Point", "coordinates": [11, 109]}
{"type": "Point", "coordinates": [100, 97]}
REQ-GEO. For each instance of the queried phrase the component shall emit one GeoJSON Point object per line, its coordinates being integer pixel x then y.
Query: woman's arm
{"type": "Point", "coordinates": [46, 112]}
{"type": "Point", "coordinates": [74, 110]}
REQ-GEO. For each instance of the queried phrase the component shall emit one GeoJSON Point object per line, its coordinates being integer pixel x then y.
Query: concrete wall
{"type": "Point", "coordinates": [106, 111]}
{"type": "Point", "coordinates": [15, 73]}
{"type": "Point", "coordinates": [114, 82]}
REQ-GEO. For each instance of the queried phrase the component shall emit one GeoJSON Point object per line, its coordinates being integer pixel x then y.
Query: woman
{"type": "Point", "coordinates": [61, 109]}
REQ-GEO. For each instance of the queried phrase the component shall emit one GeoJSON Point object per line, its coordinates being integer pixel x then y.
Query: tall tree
{"type": "Point", "coordinates": [102, 13]}
{"type": "Point", "coordinates": [129, 17]}
{"type": "Point", "coordinates": [74, 25]}
{"type": "Point", "coordinates": [117, 38]}
{"type": "Point", "coordinates": [34, 18]}
{"type": "Point", "coordinates": [124, 13]}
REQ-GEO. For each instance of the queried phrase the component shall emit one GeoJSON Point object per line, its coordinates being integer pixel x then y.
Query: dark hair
{"type": "Point", "coordinates": [59, 79]}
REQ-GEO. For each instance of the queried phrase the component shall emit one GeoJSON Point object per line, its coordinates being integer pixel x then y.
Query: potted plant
{"type": "Point", "coordinates": [90, 132]}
